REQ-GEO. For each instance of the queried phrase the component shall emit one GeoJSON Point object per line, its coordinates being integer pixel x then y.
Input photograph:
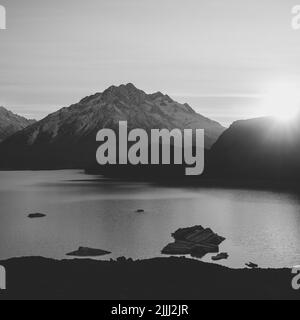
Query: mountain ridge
{"type": "Point", "coordinates": [10, 123]}
{"type": "Point", "coordinates": [257, 149]}
{"type": "Point", "coordinates": [66, 138]}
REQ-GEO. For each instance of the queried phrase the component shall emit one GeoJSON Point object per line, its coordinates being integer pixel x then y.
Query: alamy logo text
{"type": "Point", "coordinates": [2, 278]}
{"type": "Point", "coordinates": [2, 18]}
{"type": "Point", "coordinates": [187, 146]}
{"type": "Point", "coordinates": [296, 17]}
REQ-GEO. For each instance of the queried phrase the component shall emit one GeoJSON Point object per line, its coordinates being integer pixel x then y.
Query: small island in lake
{"type": "Point", "coordinates": [36, 215]}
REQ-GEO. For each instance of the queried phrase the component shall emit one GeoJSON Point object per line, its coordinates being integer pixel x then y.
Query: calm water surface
{"type": "Point", "coordinates": [83, 210]}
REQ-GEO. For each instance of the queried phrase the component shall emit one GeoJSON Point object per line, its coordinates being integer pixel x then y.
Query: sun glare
{"type": "Point", "coordinates": [282, 102]}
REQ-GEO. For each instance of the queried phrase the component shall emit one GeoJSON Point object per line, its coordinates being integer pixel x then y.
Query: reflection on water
{"type": "Point", "coordinates": [260, 226]}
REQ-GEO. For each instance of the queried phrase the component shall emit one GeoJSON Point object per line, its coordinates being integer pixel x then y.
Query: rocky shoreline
{"type": "Point", "coordinates": [36, 278]}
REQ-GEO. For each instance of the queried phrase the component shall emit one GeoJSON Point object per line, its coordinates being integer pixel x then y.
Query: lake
{"type": "Point", "coordinates": [87, 210]}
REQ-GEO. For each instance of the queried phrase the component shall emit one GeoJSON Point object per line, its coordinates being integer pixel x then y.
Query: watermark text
{"type": "Point", "coordinates": [296, 17]}
{"type": "Point", "coordinates": [2, 278]}
{"type": "Point", "coordinates": [137, 148]}
{"type": "Point", "coordinates": [296, 279]}
{"type": "Point", "coordinates": [2, 18]}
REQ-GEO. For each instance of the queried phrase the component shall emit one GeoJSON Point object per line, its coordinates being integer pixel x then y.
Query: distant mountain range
{"type": "Point", "coordinates": [11, 123]}
{"type": "Point", "coordinates": [257, 149]}
{"type": "Point", "coordinates": [67, 138]}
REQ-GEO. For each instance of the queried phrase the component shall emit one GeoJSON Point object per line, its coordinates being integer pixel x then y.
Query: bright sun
{"type": "Point", "coordinates": [282, 102]}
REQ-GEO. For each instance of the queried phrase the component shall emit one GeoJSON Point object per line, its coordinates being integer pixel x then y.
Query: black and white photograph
{"type": "Point", "coordinates": [150, 151]}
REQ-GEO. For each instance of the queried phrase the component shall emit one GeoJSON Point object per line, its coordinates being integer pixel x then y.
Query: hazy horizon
{"type": "Point", "coordinates": [219, 57]}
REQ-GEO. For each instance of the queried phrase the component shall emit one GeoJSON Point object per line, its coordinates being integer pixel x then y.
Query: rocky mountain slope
{"type": "Point", "coordinates": [66, 138]}
{"type": "Point", "coordinates": [11, 123]}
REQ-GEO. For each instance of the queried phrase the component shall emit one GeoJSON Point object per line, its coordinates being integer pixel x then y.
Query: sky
{"type": "Point", "coordinates": [219, 56]}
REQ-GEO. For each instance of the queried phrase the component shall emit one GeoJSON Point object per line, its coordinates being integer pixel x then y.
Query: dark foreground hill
{"type": "Point", "coordinates": [156, 279]}
{"type": "Point", "coordinates": [257, 149]}
{"type": "Point", "coordinates": [67, 138]}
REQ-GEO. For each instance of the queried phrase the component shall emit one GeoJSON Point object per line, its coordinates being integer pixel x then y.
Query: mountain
{"type": "Point", "coordinates": [11, 123]}
{"type": "Point", "coordinates": [67, 138]}
{"type": "Point", "coordinates": [262, 148]}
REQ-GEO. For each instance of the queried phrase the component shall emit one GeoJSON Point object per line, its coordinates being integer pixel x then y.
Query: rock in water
{"type": "Point", "coordinates": [221, 256]}
{"type": "Point", "coordinates": [178, 248]}
{"type": "Point", "coordinates": [36, 215]}
{"type": "Point", "coordinates": [195, 241]}
{"type": "Point", "coordinates": [88, 252]}
{"type": "Point", "coordinates": [252, 265]}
